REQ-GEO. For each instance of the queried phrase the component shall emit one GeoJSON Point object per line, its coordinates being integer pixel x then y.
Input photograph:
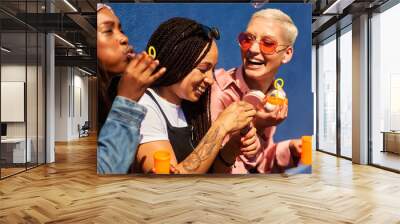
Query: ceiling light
{"type": "Point", "coordinates": [330, 8]}
{"type": "Point", "coordinates": [84, 71]}
{"type": "Point", "coordinates": [337, 7]}
{"type": "Point", "coordinates": [70, 5]}
{"type": "Point", "coordinates": [65, 41]}
{"type": "Point", "coordinates": [5, 50]}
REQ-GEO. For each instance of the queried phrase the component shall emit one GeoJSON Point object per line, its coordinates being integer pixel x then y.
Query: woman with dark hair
{"type": "Point", "coordinates": [119, 114]}
{"type": "Point", "coordinates": [178, 113]}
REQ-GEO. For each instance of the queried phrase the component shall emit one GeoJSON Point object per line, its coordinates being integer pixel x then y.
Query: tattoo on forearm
{"type": "Point", "coordinates": [203, 151]}
{"type": "Point", "coordinates": [192, 162]}
{"type": "Point", "coordinates": [208, 144]}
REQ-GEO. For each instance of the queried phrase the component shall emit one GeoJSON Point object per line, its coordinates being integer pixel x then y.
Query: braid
{"type": "Point", "coordinates": [104, 98]}
{"type": "Point", "coordinates": [181, 44]}
{"type": "Point", "coordinates": [198, 115]}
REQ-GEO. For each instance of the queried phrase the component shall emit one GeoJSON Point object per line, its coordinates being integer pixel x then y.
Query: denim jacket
{"type": "Point", "coordinates": [119, 137]}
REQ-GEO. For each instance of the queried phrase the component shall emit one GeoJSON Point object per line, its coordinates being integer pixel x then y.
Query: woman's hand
{"type": "Point", "coordinates": [138, 76]}
{"type": "Point", "coordinates": [237, 116]}
{"type": "Point", "coordinates": [172, 170]}
{"type": "Point", "coordinates": [295, 147]}
{"type": "Point", "coordinates": [264, 119]}
{"type": "Point", "coordinates": [250, 144]}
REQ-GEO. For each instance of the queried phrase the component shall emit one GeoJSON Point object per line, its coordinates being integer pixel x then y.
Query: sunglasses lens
{"type": "Point", "coordinates": [268, 46]}
{"type": "Point", "coordinates": [245, 40]}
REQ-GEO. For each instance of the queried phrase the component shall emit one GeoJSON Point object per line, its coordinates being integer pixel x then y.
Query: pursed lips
{"type": "Point", "coordinates": [129, 53]}
{"type": "Point", "coordinates": [128, 50]}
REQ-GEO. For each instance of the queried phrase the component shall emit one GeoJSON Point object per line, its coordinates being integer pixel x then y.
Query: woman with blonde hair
{"type": "Point", "coordinates": [266, 44]}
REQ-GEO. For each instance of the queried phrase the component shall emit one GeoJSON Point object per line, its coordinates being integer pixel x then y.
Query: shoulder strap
{"type": "Point", "coordinates": [158, 105]}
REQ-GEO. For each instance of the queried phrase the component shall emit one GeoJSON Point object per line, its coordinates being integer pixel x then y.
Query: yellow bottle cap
{"type": "Point", "coordinates": [152, 52]}
{"type": "Point", "coordinates": [279, 83]}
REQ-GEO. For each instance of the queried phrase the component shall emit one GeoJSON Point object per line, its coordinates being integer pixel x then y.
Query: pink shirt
{"type": "Point", "coordinates": [229, 87]}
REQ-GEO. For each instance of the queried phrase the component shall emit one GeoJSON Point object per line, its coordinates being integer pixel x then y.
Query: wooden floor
{"type": "Point", "coordinates": [5, 172]}
{"type": "Point", "coordinates": [70, 191]}
{"type": "Point", "coordinates": [10, 171]}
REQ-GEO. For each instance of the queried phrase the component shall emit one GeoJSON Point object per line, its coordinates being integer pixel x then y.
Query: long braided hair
{"type": "Point", "coordinates": [107, 85]}
{"type": "Point", "coordinates": [180, 45]}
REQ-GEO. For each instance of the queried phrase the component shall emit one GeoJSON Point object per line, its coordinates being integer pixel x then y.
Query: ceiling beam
{"type": "Point", "coordinates": [86, 26]}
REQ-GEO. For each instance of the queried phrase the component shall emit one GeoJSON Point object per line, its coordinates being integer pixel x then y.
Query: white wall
{"type": "Point", "coordinates": [13, 72]}
{"type": "Point", "coordinates": [80, 114]}
{"type": "Point", "coordinates": [33, 127]}
{"type": "Point", "coordinates": [16, 73]}
{"type": "Point", "coordinates": [62, 81]}
{"type": "Point", "coordinates": [71, 94]}
{"type": "Point", "coordinates": [10, 73]}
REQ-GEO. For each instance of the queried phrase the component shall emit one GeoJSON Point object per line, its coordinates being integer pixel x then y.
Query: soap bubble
{"type": "Point", "coordinates": [258, 3]}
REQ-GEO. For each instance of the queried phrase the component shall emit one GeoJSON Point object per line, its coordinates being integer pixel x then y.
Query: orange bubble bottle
{"type": "Point", "coordinates": [162, 160]}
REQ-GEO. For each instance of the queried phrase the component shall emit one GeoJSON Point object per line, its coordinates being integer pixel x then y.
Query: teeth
{"type": "Point", "coordinates": [255, 61]}
{"type": "Point", "coordinates": [201, 90]}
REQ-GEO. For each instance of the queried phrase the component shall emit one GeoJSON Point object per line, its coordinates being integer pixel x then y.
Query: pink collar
{"type": "Point", "coordinates": [232, 77]}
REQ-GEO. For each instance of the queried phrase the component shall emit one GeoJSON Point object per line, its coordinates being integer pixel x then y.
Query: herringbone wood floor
{"type": "Point", "coordinates": [70, 191]}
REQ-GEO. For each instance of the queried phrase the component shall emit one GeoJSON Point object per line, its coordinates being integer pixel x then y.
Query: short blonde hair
{"type": "Point", "coordinates": [101, 6]}
{"type": "Point", "coordinates": [278, 15]}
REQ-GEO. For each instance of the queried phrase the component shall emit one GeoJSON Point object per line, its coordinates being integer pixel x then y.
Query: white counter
{"type": "Point", "coordinates": [18, 149]}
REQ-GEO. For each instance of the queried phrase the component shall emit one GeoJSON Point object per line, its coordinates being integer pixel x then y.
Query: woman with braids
{"type": "Point", "coordinates": [119, 136]}
{"type": "Point", "coordinates": [178, 115]}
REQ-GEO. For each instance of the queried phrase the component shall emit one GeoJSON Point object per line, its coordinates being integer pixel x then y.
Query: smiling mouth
{"type": "Point", "coordinates": [255, 62]}
{"type": "Point", "coordinates": [200, 90]}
